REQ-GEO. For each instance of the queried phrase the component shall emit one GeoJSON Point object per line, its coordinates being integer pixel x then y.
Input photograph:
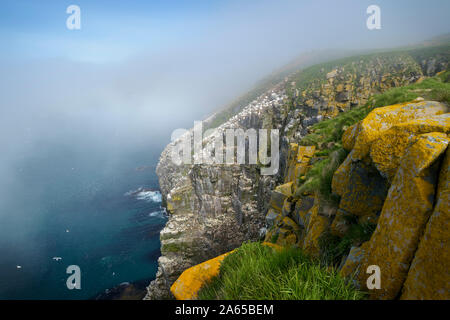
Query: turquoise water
{"type": "Point", "coordinates": [91, 207]}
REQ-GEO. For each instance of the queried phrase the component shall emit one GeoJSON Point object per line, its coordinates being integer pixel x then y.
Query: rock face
{"type": "Point", "coordinates": [413, 148]}
{"type": "Point", "coordinates": [428, 276]}
{"type": "Point", "coordinates": [213, 208]}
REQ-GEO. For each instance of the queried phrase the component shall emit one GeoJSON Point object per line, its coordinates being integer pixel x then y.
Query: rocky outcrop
{"type": "Point", "coordinates": [213, 208]}
{"type": "Point", "coordinates": [412, 150]}
{"type": "Point", "coordinates": [428, 276]}
{"type": "Point", "coordinates": [392, 177]}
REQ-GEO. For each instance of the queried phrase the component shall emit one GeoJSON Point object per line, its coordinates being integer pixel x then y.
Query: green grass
{"type": "Point", "coordinates": [333, 248]}
{"type": "Point", "coordinates": [318, 178]}
{"type": "Point", "coordinates": [257, 272]}
{"type": "Point", "coordinates": [436, 88]}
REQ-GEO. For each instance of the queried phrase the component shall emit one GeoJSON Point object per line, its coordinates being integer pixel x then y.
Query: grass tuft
{"type": "Point", "coordinates": [257, 272]}
{"type": "Point", "coordinates": [333, 248]}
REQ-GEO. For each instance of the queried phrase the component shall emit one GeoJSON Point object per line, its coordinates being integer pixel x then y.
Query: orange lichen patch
{"type": "Point", "coordinates": [279, 195]}
{"type": "Point", "coordinates": [405, 212]}
{"type": "Point", "coordinates": [286, 230]}
{"type": "Point", "coordinates": [273, 245]}
{"type": "Point", "coordinates": [298, 161]}
{"type": "Point", "coordinates": [305, 153]}
{"type": "Point", "coordinates": [429, 274]}
{"type": "Point", "coordinates": [382, 119]}
{"type": "Point", "coordinates": [290, 224]}
{"type": "Point", "coordinates": [349, 137]}
{"type": "Point", "coordinates": [387, 151]}
{"type": "Point", "coordinates": [186, 287]}
{"type": "Point", "coordinates": [316, 228]}
{"type": "Point", "coordinates": [286, 237]}
{"type": "Point", "coordinates": [285, 189]}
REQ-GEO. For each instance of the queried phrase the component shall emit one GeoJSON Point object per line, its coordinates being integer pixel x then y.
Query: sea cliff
{"type": "Point", "coordinates": [214, 208]}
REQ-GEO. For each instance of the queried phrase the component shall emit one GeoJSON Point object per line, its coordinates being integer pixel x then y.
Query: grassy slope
{"type": "Point", "coordinates": [256, 272]}
{"type": "Point", "coordinates": [308, 77]}
{"type": "Point", "coordinates": [303, 61]}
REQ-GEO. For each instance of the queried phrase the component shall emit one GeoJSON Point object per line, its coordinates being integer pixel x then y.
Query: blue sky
{"type": "Point", "coordinates": [116, 30]}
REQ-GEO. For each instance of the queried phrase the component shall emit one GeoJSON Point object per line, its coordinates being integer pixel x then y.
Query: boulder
{"type": "Point", "coordinates": [317, 226]}
{"type": "Point", "coordinates": [362, 189]}
{"type": "Point", "coordinates": [187, 286]}
{"type": "Point", "coordinates": [429, 274]}
{"type": "Point", "coordinates": [382, 119]}
{"type": "Point", "coordinates": [387, 151]}
{"type": "Point", "coordinates": [279, 195]}
{"type": "Point", "coordinates": [302, 210]}
{"type": "Point", "coordinates": [299, 159]}
{"type": "Point", "coordinates": [407, 208]}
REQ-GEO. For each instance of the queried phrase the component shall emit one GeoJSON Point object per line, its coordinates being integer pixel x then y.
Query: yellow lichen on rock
{"type": "Point", "coordinates": [349, 137]}
{"type": "Point", "coordinates": [285, 189]}
{"type": "Point", "coordinates": [317, 226]}
{"type": "Point", "coordinates": [298, 161]}
{"type": "Point", "coordinates": [382, 119]}
{"type": "Point", "coordinates": [429, 274]}
{"type": "Point", "coordinates": [387, 151]}
{"type": "Point", "coordinates": [186, 287]}
{"type": "Point", "coordinates": [405, 212]}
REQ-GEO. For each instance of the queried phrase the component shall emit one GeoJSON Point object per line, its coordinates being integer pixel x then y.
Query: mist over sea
{"type": "Point", "coordinates": [79, 204]}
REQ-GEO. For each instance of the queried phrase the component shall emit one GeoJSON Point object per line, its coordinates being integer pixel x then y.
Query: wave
{"type": "Point", "coordinates": [147, 195]}
{"type": "Point", "coordinates": [158, 214]}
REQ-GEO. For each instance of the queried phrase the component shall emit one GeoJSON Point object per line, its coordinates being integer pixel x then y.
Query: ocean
{"type": "Point", "coordinates": [99, 209]}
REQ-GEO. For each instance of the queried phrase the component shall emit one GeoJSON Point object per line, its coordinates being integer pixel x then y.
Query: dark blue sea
{"type": "Point", "coordinates": [96, 208]}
